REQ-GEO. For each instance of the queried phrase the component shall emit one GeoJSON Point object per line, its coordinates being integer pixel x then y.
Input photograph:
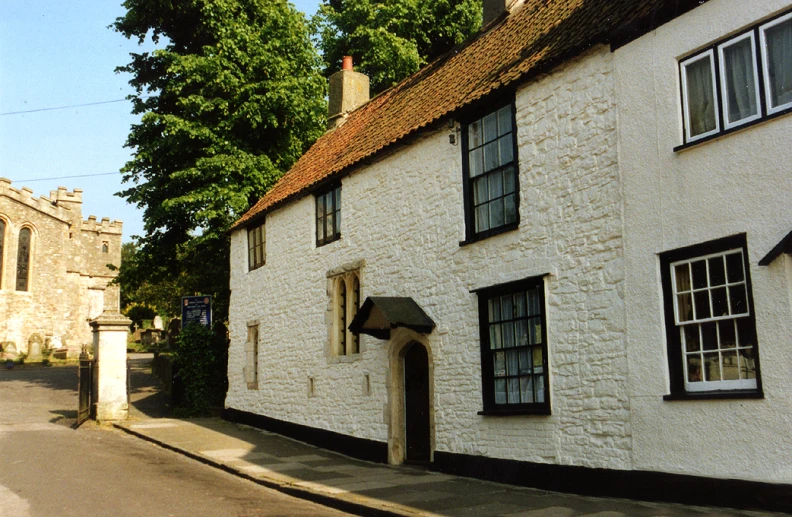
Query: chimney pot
{"type": "Point", "coordinates": [346, 63]}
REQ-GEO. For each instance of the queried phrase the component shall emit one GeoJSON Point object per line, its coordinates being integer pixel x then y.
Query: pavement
{"type": "Point", "coordinates": [360, 487]}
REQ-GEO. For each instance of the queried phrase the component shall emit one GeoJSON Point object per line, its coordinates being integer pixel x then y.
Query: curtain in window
{"type": "Point", "coordinates": [779, 63]}
{"type": "Point", "coordinates": [700, 96]}
{"type": "Point", "coordinates": [23, 260]}
{"type": "Point", "coordinates": [740, 80]}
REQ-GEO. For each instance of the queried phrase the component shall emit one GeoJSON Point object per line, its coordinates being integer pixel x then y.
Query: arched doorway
{"type": "Point", "coordinates": [417, 433]}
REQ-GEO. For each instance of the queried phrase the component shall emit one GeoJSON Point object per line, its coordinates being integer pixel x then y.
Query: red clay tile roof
{"type": "Point", "coordinates": [538, 36]}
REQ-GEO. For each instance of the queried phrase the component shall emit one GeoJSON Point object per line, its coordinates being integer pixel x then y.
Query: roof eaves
{"type": "Point", "coordinates": [656, 17]}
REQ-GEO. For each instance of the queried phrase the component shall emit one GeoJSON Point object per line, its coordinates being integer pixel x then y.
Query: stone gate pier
{"type": "Point", "coordinates": [109, 394]}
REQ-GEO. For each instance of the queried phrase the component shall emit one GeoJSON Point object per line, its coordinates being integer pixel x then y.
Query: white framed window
{"type": "Point", "coordinates": [776, 43]}
{"type": "Point", "coordinates": [750, 81]}
{"type": "Point", "coordinates": [699, 94]}
{"type": "Point", "coordinates": [710, 321]}
{"type": "Point", "coordinates": [739, 80]}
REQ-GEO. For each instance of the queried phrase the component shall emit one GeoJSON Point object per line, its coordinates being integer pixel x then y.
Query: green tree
{"type": "Point", "coordinates": [228, 104]}
{"type": "Point", "coordinates": [391, 39]}
{"type": "Point", "coordinates": [141, 297]}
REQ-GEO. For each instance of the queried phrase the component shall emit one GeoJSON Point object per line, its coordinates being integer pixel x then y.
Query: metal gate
{"type": "Point", "coordinates": [85, 383]}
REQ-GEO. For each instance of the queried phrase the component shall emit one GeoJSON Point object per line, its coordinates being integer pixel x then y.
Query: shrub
{"type": "Point", "coordinates": [200, 361]}
{"type": "Point", "coordinates": [138, 313]}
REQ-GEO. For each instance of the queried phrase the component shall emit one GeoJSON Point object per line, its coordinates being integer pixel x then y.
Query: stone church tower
{"type": "Point", "coordinates": [53, 270]}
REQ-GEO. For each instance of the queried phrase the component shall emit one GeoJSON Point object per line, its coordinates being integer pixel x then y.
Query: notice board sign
{"type": "Point", "coordinates": [197, 309]}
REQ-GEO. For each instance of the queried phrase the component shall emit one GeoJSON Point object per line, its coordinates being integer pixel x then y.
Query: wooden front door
{"type": "Point", "coordinates": [416, 404]}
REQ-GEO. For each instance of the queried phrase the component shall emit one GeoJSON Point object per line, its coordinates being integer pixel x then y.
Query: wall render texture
{"type": "Point", "coordinates": [403, 216]}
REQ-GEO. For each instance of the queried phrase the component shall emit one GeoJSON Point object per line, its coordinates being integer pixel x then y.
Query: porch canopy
{"type": "Point", "coordinates": [380, 314]}
{"type": "Point", "coordinates": [785, 246]}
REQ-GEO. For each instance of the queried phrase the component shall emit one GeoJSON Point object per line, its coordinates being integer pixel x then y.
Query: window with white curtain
{"type": "Point", "coordinates": [701, 114]}
{"type": "Point", "coordinates": [777, 60]}
{"type": "Point", "coordinates": [514, 358]}
{"type": "Point", "coordinates": [721, 84]}
{"type": "Point", "coordinates": [740, 83]}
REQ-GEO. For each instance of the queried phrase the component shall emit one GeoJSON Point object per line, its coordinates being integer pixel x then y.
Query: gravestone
{"type": "Point", "coordinates": [35, 346]}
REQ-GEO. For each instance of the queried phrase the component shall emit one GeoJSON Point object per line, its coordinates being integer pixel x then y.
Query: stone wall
{"type": "Point", "coordinates": [403, 218]}
{"type": "Point", "coordinates": [68, 268]}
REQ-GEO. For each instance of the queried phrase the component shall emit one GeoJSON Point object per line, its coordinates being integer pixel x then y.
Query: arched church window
{"type": "Point", "coordinates": [23, 260]}
{"type": "Point", "coordinates": [2, 242]}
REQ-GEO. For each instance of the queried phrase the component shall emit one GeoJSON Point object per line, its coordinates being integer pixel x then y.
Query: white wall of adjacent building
{"type": "Point", "coordinates": [739, 183]}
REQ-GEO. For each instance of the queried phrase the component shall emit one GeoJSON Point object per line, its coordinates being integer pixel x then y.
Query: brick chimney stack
{"type": "Point", "coordinates": [494, 8]}
{"type": "Point", "coordinates": [348, 91]}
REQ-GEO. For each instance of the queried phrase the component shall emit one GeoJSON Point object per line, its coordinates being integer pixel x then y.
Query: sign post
{"type": "Point", "coordinates": [197, 309]}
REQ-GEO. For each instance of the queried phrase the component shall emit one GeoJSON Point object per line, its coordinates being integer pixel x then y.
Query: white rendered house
{"type": "Point", "coordinates": [483, 268]}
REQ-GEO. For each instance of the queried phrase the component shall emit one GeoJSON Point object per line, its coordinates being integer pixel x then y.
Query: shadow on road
{"type": "Point", "coordinates": [50, 377]}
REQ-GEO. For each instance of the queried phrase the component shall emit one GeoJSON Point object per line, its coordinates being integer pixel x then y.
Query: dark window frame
{"type": "Point", "coordinates": [673, 340]}
{"type": "Point", "coordinates": [471, 235]}
{"type": "Point", "coordinates": [257, 240]}
{"type": "Point", "coordinates": [764, 116]}
{"type": "Point", "coordinates": [487, 354]}
{"type": "Point", "coordinates": [333, 194]}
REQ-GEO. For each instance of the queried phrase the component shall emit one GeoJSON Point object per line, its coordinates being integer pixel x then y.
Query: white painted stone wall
{"type": "Point", "coordinates": [404, 216]}
{"type": "Point", "coordinates": [738, 183]}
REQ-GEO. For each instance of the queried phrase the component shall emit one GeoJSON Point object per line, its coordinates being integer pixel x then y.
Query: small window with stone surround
{"type": "Point", "coordinates": [345, 302]}
{"type": "Point", "coordinates": [710, 324]}
{"type": "Point", "coordinates": [105, 247]}
{"type": "Point", "coordinates": [251, 371]}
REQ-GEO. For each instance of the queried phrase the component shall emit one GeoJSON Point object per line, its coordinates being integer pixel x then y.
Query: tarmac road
{"type": "Point", "coordinates": [48, 469]}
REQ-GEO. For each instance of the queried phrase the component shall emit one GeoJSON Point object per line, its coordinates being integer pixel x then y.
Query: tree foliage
{"type": "Point", "coordinates": [228, 104]}
{"type": "Point", "coordinates": [141, 296]}
{"type": "Point", "coordinates": [391, 39]}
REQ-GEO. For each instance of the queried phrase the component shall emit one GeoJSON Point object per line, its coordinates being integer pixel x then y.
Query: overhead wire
{"type": "Point", "coordinates": [66, 177]}
{"type": "Point", "coordinates": [66, 107]}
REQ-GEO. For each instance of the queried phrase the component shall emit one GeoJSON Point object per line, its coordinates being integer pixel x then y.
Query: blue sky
{"type": "Point", "coordinates": [55, 53]}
